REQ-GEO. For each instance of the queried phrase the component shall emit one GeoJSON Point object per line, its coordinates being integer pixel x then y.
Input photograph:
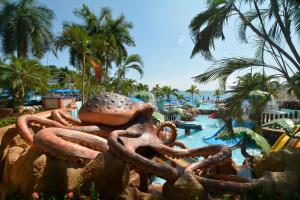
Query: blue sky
{"type": "Point", "coordinates": [162, 38]}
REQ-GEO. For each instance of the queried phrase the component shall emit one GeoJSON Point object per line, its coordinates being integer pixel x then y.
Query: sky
{"type": "Point", "coordinates": [161, 35]}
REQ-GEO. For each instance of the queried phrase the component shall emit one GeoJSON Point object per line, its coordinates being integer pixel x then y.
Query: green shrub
{"type": "Point", "coordinates": [7, 121]}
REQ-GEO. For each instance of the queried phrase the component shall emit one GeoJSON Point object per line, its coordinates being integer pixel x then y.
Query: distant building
{"type": "Point", "coordinates": [53, 81]}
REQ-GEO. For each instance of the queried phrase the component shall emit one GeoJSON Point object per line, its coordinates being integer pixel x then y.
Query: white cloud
{"type": "Point", "coordinates": [181, 39]}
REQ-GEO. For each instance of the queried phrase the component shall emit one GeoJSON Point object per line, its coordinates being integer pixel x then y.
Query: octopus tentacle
{"type": "Point", "coordinates": [64, 142]}
{"type": "Point", "coordinates": [124, 144]}
{"type": "Point", "coordinates": [221, 154]}
{"type": "Point", "coordinates": [62, 117]}
{"type": "Point", "coordinates": [24, 131]}
{"type": "Point", "coordinates": [163, 136]}
{"type": "Point", "coordinates": [229, 185]}
{"type": "Point", "coordinates": [129, 155]}
{"type": "Point", "coordinates": [178, 144]}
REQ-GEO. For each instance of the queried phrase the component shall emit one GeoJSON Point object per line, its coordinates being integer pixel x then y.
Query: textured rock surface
{"type": "Point", "coordinates": [109, 174]}
{"type": "Point", "coordinates": [280, 171]}
{"type": "Point", "coordinates": [132, 193]}
{"type": "Point", "coordinates": [31, 170]}
{"type": "Point", "coordinates": [185, 187]}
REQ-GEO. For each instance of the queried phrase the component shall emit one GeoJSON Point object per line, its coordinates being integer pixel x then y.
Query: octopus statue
{"type": "Point", "coordinates": [126, 124]}
{"type": "Point", "coordinates": [84, 138]}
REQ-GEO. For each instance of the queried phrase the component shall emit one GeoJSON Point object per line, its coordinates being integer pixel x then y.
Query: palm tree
{"type": "Point", "coordinates": [296, 80]}
{"type": "Point", "coordinates": [131, 62]}
{"type": "Point", "coordinates": [168, 91]}
{"type": "Point", "coordinates": [157, 91]}
{"type": "Point", "coordinates": [115, 33]}
{"type": "Point", "coordinates": [21, 75]}
{"type": "Point", "coordinates": [257, 89]}
{"type": "Point", "coordinates": [25, 27]}
{"type": "Point", "coordinates": [271, 21]}
{"type": "Point", "coordinates": [193, 90]}
{"type": "Point", "coordinates": [142, 87]}
{"type": "Point", "coordinates": [82, 49]}
{"type": "Point", "coordinates": [127, 87]}
{"type": "Point", "coordinates": [217, 94]}
{"type": "Point", "coordinates": [179, 97]}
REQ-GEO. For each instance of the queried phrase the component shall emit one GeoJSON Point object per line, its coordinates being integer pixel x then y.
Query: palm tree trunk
{"type": "Point", "coordinates": [286, 33]}
{"type": "Point", "coordinates": [83, 77]}
{"type": "Point", "coordinates": [244, 143]}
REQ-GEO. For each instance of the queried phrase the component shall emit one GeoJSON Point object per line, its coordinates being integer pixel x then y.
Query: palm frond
{"type": "Point", "coordinates": [225, 67]}
{"type": "Point", "coordinates": [239, 132]}
{"type": "Point", "coordinates": [208, 26]}
{"type": "Point", "coordinates": [158, 117]}
{"type": "Point", "coordinates": [287, 124]}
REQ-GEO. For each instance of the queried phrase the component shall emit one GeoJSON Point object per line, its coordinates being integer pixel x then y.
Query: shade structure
{"type": "Point", "coordinates": [63, 90]}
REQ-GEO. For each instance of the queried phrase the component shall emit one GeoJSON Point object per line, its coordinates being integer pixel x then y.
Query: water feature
{"type": "Point", "coordinates": [152, 100]}
{"type": "Point", "coordinates": [196, 139]}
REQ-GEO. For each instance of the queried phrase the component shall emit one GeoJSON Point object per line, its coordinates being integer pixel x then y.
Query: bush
{"type": "Point", "coordinates": [7, 121]}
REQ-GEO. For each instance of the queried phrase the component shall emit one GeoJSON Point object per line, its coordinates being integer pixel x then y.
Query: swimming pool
{"type": "Point", "coordinates": [195, 140]}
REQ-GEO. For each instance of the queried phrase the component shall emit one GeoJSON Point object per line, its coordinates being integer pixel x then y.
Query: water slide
{"type": "Point", "coordinates": [284, 140]}
{"type": "Point", "coordinates": [231, 142]}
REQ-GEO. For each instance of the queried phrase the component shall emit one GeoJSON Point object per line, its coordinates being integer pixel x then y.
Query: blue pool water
{"type": "Point", "coordinates": [210, 126]}
{"type": "Point", "coordinates": [195, 140]}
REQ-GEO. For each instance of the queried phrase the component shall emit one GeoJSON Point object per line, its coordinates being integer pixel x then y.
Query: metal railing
{"type": "Point", "coordinates": [168, 116]}
{"type": "Point", "coordinates": [269, 116]}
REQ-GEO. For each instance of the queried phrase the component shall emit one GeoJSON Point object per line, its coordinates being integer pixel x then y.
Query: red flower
{"type": "Point", "coordinates": [35, 195]}
{"type": "Point", "coordinates": [70, 195]}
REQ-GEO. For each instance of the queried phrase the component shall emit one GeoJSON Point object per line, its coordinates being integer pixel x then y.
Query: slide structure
{"type": "Point", "coordinates": [285, 140]}
{"type": "Point", "coordinates": [232, 142]}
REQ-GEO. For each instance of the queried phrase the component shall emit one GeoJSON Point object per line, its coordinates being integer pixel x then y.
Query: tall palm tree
{"type": "Point", "coordinates": [115, 33]}
{"type": "Point", "coordinates": [142, 87]}
{"type": "Point", "coordinates": [217, 94]}
{"type": "Point", "coordinates": [193, 90]}
{"type": "Point", "coordinates": [157, 91]}
{"type": "Point", "coordinates": [272, 22]}
{"type": "Point", "coordinates": [82, 49]}
{"type": "Point", "coordinates": [179, 97]}
{"type": "Point", "coordinates": [134, 62]}
{"type": "Point", "coordinates": [21, 75]}
{"type": "Point", "coordinates": [168, 91]}
{"type": "Point", "coordinates": [127, 87]}
{"type": "Point", "coordinates": [257, 89]}
{"type": "Point", "coordinates": [25, 27]}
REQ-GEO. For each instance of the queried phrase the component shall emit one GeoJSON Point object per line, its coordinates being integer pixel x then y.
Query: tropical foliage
{"type": "Point", "coordinates": [257, 89]}
{"type": "Point", "coordinates": [20, 75]}
{"type": "Point", "coordinates": [193, 90]}
{"type": "Point", "coordinates": [133, 62]}
{"type": "Point", "coordinates": [241, 132]}
{"type": "Point", "coordinates": [167, 91]}
{"type": "Point", "coordinates": [286, 124]}
{"type": "Point", "coordinates": [271, 22]}
{"type": "Point", "coordinates": [82, 51]}
{"type": "Point", "coordinates": [65, 76]}
{"type": "Point", "coordinates": [158, 117]}
{"type": "Point", "coordinates": [25, 28]}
